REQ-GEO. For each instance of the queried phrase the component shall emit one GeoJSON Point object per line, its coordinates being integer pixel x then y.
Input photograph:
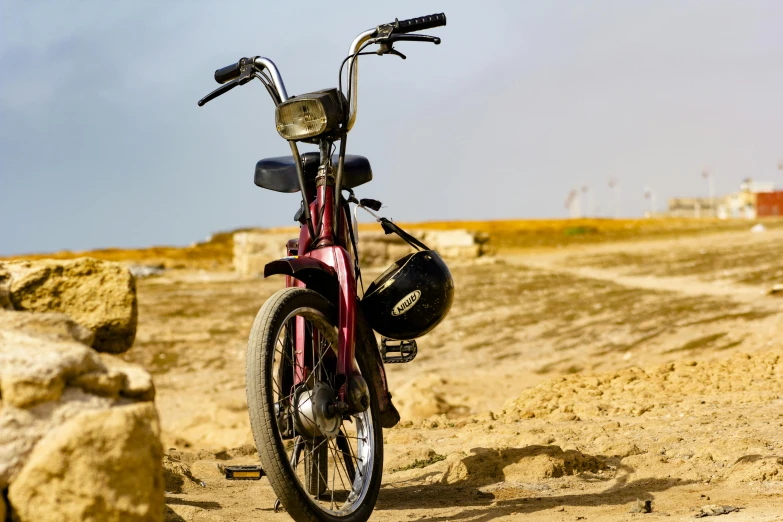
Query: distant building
{"type": "Point", "coordinates": [754, 199]}
{"type": "Point", "coordinates": [692, 207]}
{"type": "Point", "coordinates": [744, 204]}
{"type": "Point", "coordinates": [769, 204]}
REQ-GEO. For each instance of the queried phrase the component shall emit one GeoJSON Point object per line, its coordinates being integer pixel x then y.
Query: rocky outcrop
{"type": "Point", "coordinates": [79, 435]}
{"type": "Point", "coordinates": [529, 464]}
{"type": "Point", "coordinates": [98, 295]}
{"type": "Point", "coordinates": [254, 249]}
{"type": "Point", "coordinates": [377, 248]}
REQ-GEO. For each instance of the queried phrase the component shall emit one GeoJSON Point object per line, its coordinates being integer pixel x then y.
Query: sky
{"type": "Point", "coordinates": [102, 143]}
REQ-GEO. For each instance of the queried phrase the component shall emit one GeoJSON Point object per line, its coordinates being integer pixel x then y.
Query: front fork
{"type": "Point", "coordinates": [331, 253]}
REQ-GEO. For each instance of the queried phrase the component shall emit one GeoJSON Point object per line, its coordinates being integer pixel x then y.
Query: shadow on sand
{"type": "Point", "coordinates": [417, 495]}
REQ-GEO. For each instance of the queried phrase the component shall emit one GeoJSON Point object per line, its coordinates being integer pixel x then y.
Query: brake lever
{"type": "Point", "coordinates": [386, 42]}
{"type": "Point", "coordinates": [395, 37]}
{"type": "Point", "coordinates": [246, 73]}
{"type": "Point", "coordinates": [388, 49]}
{"type": "Point", "coordinates": [223, 89]}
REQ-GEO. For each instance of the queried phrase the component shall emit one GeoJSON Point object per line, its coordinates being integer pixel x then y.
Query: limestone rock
{"type": "Point", "coordinates": [98, 295]}
{"type": "Point", "coordinates": [104, 383]}
{"type": "Point", "coordinates": [79, 439]}
{"type": "Point", "coordinates": [46, 379]}
{"type": "Point", "coordinates": [21, 429]}
{"type": "Point", "coordinates": [35, 370]}
{"type": "Point", "coordinates": [99, 466]}
{"type": "Point", "coordinates": [137, 382]}
{"type": "Point", "coordinates": [51, 325]}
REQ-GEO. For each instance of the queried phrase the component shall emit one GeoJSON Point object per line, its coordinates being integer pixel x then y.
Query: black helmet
{"type": "Point", "coordinates": [411, 297]}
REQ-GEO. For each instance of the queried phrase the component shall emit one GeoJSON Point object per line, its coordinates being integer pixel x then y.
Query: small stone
{"type": "Point", "coordinates": [713, 510]}
{"type": "Point", "coordinates": [641, 506]}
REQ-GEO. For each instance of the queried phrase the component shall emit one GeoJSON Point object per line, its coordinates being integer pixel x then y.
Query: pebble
{"type": "Point", "coordinates": [713, 510]}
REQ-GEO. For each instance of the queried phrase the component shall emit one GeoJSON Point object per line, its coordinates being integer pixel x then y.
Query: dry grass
{"type": "Point", "coordinates": [217, 253]}
{"type": "Point", "coordinates": [555, 233]}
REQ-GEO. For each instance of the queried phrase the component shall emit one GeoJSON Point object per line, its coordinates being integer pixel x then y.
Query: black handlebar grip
{"type": "Point", "coordinates": [421, 23]}
{"type": "Point", "coordinates": [227, 73]}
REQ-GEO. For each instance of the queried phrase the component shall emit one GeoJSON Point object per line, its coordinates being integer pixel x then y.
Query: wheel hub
{"type": "Point", "coordinates": [312, 412]}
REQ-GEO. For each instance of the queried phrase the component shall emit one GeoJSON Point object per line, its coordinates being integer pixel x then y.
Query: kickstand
{"type": "Point", "coordinates": [277, 505]}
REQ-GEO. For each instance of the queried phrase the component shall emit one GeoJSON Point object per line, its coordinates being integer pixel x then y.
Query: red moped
{"type": "Point", "coordinates": [316, 386]}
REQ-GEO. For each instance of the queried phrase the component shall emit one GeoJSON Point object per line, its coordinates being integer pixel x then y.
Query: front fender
{"type": "Point", "coordinates": [316, 274]}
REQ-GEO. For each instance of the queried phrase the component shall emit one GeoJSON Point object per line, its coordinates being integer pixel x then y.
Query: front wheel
{"type": "Point", "coordinates": [322, 466]}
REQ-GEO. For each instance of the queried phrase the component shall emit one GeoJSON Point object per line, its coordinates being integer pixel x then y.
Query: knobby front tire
{"type": "Point", "coordinates": [347, 492]}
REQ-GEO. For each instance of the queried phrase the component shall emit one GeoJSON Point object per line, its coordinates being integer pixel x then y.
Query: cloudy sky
{"type": "Point", "coordinates": [102, 144]}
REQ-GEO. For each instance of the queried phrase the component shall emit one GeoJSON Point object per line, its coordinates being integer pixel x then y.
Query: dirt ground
{"type": "Point", "coordinates": [566, 384]}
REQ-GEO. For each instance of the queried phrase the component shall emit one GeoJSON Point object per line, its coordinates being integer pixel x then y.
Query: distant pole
{"type": "Point", "coordinates": [614, 185]}
{"type": "Point", "coordinates": [650, 194]}
{"type": "Point", "coordinates": [572, 204]}
{"type": "Point", "coordinates": [711, 187]}
{"type": "Point", "coordinates": [589, 202]}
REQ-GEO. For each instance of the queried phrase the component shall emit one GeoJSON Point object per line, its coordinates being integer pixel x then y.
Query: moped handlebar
{"type": "Point", "coordinates": [232, 72]}
{"type": "Point", "coordinates": [241, 73]}
{"type": "Point", "coordinates": [406, 26]}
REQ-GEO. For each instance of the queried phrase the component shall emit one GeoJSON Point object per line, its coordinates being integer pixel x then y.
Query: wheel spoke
{"type": "Point", "coordinates": [336, 466]}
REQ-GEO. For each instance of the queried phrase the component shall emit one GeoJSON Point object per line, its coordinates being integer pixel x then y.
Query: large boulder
{"type": "Point", "coordinates": [100, 466]}
{"type": "Point", "coordinates": [79, 433]}
{"type": "Point", "coordinates": [98, 295]}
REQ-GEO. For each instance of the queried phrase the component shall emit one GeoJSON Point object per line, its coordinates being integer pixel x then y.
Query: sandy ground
{"type": "Point", "coordinates": [564, 385]}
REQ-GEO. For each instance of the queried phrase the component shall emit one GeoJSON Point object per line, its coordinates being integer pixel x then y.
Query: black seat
{"type": "Point", "coordinates": [279, 174]}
